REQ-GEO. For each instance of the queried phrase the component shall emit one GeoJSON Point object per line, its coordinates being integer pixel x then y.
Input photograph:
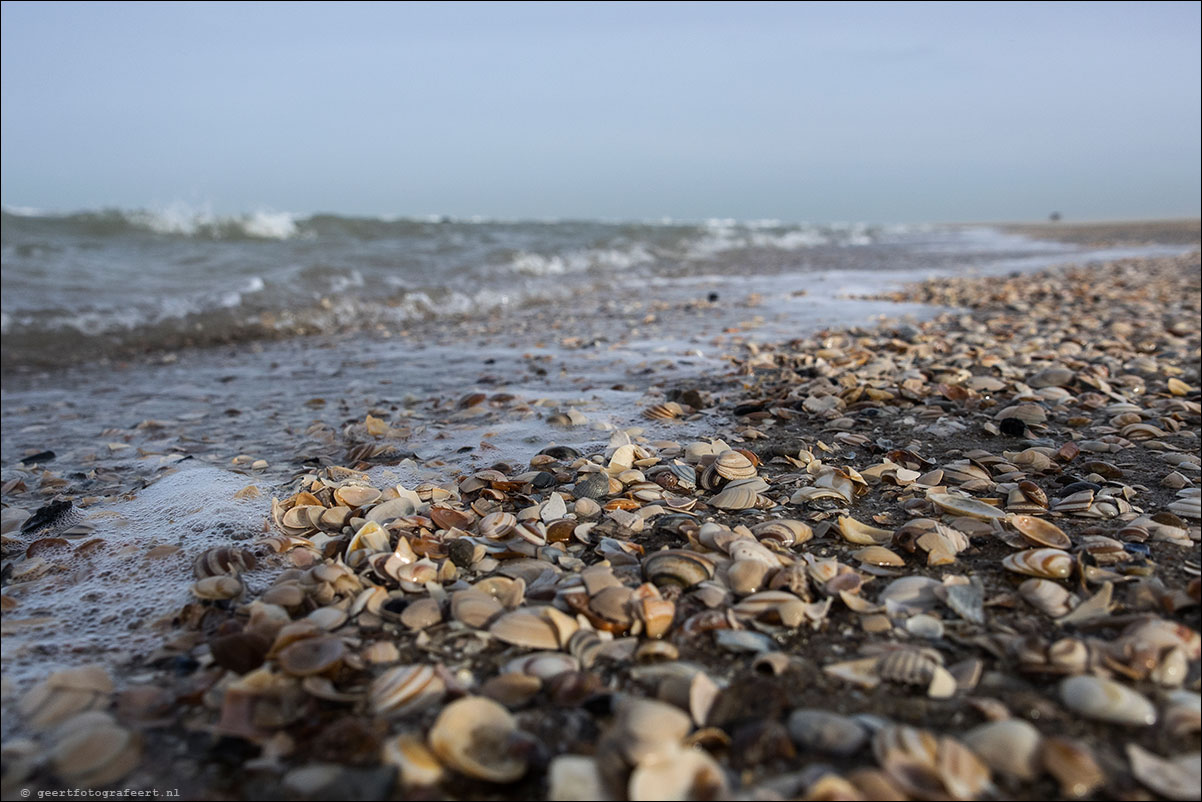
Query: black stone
{"type": "Point", "coordinates": [41, 456]}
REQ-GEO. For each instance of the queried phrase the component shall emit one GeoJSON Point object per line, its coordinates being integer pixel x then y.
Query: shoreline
{"type": "Point", "coordinates": [924, 394]}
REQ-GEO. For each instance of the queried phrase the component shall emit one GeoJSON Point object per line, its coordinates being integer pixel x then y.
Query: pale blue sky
{"type": "Point", "coordinates": [841, 111]}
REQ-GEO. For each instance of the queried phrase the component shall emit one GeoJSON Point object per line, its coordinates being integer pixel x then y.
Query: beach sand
{"type": "Point", "coordinates": [1070, 396]}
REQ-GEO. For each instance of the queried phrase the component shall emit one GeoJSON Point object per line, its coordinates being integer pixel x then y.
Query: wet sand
{"type": "Point", "coordinates": [1073, 381]}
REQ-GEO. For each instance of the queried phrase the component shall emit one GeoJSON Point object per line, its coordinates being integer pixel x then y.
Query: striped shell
{"type": "Point", "coordinates": [1044, 563]}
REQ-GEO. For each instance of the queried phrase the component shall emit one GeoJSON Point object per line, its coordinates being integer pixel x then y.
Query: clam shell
{"type": "Point", "coordinates": [527, 629]}
{"type": "Point", "coordinates": [1040, 532]}
{"type": "Point", "coordinates": [961, 505]}
{"type": "Point", "coordinates": [311, 656]}
{"type": "Point", "coordinates": [786, 531]}
{"type": "Point", "coordinates": [1044, 563]}
{"type": "Point", "coordinates": [217, 588]}
{"type": "Point", "coordinates": [1048, 597]}
{"type": "Point", "coordinates": [222, 560]}
{"type": "Point", "coordinates": [1106, 700]}
{"type": "Point", "coordinates": [95, 753]}
{"type": "Point", "coordinates": [356, 495]}
{"type": "Point", "coordinates": [1011, 747]}
{"type": "Point", "coordinates": [733, 464]}
{"type": "Point", "coordinates": [475, 736]}
{"type": "Point", "coordinates": [406, 689]}
{"type": "Point", "coordinates": [496, 525]}
{"type": "Point", "coordinates": [417, 767]}
{"type": "Point", "coordinates": [1177, 778]}
{"type": "Point", "coordinates": [64, 694]}
{"type": "Point", "coordinates": [740, 494]}
{"type": "Point", "coordinates": [474, 608]}
{"type": "Point", "coordinates": [1073, 765]}
{"type": "Point", "coordinates": [677, 567]}
{"type": "Point", "coordinates": [677, 773]}
{"type": "Point", "coordinates": [878, 555]}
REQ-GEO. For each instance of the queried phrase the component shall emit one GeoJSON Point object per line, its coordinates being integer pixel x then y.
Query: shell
{"type": "Point", "coordinates": [1106, 700]}
{"type": "Point", "coordinates": [527, 629]}
{"type": "Point", "coordinates": [1046, 596]}
{"type": "Point", "coordinates": [217, 588]}
{"type": "Point", "coordinates": [740, 494]}
{"type": "Point", "coordinates": [677, 567]}
{"type": "Point", "coordinates": [223, 560]}
{"type": "Point", "coordinates": [496, 525]}
{"type": "Point", "coordinates": [1040, 532]}
{"type": "Point", "coordinates": [416, 765]}
{"type": "Point", "coordinates": [1044, 563]}
{"type": "Point", "coordinates": [95, 751]}
{"type": "Point", "coordinates": [1011, 747]}
{"type": "Point", "coordinates": [64, 694]}
{"type": "Point", "coordinates": [356, 495]}
{"type": "Point", "coordinates": [961, 505]}
{"type": "Point", "coordinates": [311, 656]}
{"type": "Point", "coordinates": [1073, 765]}
{"type": "Point", "coordinates": [862, 534]}
{"type": "Point", "coordinates": [475, 736]}
{"type": "Point", "coordinates": [406, 689]}
{"type": "Point", "coordinates": [1178, 778]}
{"type": "Point", "coordinates": [677, 773]}
{"type": "Point", "coordinates": [733, 464]}
{"type": "Point", "coordinates": [786, 531]}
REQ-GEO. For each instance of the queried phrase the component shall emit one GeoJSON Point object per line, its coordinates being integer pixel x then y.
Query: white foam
{"type": "Point", "coordinates": [104, 606]}
{"type": "Point", "coordinates": [184, 219]}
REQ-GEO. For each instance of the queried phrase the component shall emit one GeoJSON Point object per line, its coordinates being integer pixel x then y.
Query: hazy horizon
{"type": "Point", "coordinates": [818, 112]}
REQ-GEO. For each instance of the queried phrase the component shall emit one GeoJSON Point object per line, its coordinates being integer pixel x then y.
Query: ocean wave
{"type": "Point", "coordinates": [174, 220]}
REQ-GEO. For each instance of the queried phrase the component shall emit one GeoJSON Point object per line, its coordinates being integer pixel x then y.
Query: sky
{"type": "Point", "coordinates": [894, 112]}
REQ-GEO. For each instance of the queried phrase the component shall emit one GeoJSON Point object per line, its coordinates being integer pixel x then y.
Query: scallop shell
{"type": "Point", "coordinates": [476, 736]}
{"type": "Point", "coordinates": [1044, 563]}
